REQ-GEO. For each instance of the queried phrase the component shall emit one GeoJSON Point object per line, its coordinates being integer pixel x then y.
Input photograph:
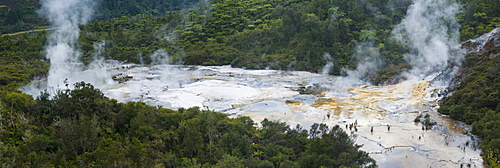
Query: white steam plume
{"type": "Point", "coordinates": [328, 66]}
{"type": "Point", "coordinates": [160, 57]}
{"type": "Point", "coordinates": [67, 15]}
{"type": "Point", "coordinates": [430, 30]}
{"type": "Point", "coordinates": [368, 61]}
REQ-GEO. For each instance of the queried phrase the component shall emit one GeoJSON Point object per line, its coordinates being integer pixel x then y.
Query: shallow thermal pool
{"type": "Point", "coordinates": [305, 98]}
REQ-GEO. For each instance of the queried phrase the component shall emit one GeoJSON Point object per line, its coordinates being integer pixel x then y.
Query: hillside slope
{"type": "Point", "coordinates": [476, 100]}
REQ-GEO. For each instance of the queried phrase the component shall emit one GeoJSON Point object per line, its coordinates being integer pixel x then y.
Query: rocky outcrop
{"type": "Point", "coordinates": [476, 51]}
{"type": "Point", "coordinates": [484, 43]}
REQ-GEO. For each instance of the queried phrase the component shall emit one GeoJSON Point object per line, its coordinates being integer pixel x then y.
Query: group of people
{"type": "Point", "coordinates": [353, 127]}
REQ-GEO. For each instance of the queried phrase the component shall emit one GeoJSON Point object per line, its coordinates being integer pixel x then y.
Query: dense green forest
{"type": "Point", "coordinates": [21, 59]}
{"type": "Point", "coordinates": [82, 128]}
{"type": "Point", "coordinates": [288, 35]}
{"type": "Point", "coordinates": [255, 34]}
{"type": "Point", "coordinates": [478, 17]}
{"type": "Point", "coordinates": [21, 15]}
{"type": "Point", "coordinates": [107, 9]}
{"type": "Point", "coordinates": [280, 34]}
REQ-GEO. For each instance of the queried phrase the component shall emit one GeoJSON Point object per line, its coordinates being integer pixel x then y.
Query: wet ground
{"type": "Point", "coordinates": [381, 118]}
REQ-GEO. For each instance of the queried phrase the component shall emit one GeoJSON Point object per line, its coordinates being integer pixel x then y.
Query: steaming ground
{"type": "Point", "coordinates": [429, 30]}
{"type": "Point", "coordinates": [67, 15]}
{"type": "Point", "coordinates": [305, 98]}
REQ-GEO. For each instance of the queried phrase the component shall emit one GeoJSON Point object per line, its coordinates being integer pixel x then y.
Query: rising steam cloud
{"type": "Point", "coordinates": [67, 16]}
{"type": "Point", "coordinates": [368, 61]}
{"type": "Point", "coordinates": [328, 66]}
{"type": "Point", "coordinates": [431, 32]}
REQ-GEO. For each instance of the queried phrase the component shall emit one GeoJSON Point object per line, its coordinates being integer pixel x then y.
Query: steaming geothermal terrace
{"type": "Point", "coordinates": [305, 98]}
